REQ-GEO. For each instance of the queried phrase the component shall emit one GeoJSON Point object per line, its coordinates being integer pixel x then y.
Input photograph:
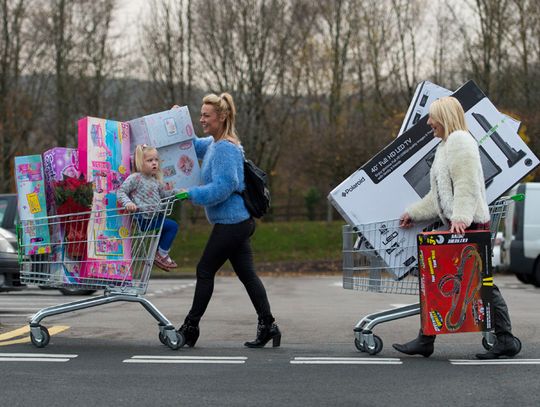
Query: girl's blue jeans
{"type": "Point", "coordinates": [168, 233]}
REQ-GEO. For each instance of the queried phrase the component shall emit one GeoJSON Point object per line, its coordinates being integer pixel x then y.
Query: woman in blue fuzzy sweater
{"type": "Point", "coordinates": [223, 179]}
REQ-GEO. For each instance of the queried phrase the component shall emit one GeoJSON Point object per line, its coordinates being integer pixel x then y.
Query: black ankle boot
{"type": "Point", "coordinates": [505, 345]}
{"type": "Point", "coordinates": [265, 332]}
{"type": "Point", "coordinates": [421, 345]}
{"type": "Point", "coordinates": [190, 332]}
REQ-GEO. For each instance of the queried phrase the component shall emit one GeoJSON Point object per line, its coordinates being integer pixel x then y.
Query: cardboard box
{"type": "Point", "coordinates": [32, 205]}
{"type": "Point", "coordinates": [162, 129]}
{"type": "Point", "coordinates": [455, 282]}
{"type": "Point", "coordinates": [104, 159]}
{"type": "Point", "coordinates": [180, 165]}
{"type": "Point", "coordinates": [399, 175]}
{"type": "Point", "coordinates": [171, 132]}
{"type": "Point", "coordinates": [425, 94]}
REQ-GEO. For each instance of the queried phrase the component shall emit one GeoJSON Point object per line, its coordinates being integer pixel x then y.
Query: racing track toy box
{"type": "Point", "coordinates": [455, 282]}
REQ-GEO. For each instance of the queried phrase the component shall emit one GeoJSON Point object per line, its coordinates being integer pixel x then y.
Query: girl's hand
{"type": "Point", "coordinates": [458, 227]}
{"type": "Point", "coordinates": [405, 221]}
{"type": "Point", "coordinates": [175, 107]}
{"type": "Point", "coordinates": [131, 207]}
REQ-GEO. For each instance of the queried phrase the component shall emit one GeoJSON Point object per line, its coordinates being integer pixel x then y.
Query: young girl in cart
{"type": "Point", "coordinates": [142, 192]}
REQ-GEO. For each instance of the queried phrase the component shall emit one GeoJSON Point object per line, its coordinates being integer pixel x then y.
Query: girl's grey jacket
{"type": "Point", "coordinates": [457, 191]}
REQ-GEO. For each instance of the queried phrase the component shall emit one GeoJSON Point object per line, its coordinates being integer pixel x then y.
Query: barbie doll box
{"type": "Point", "coordinates": [455, 282]}
{"type": "Point", "coordinates": [104, 160]}
{"type": "Point", "coordinates": [398, 176]}
{"type": "Point", "coordinates": [162, 129]}
{"type": "Point", "coordinates": [32, 205]}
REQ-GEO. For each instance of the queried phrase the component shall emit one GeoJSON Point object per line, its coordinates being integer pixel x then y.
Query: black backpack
{"type": "Point", "coordinates": [256, 195]}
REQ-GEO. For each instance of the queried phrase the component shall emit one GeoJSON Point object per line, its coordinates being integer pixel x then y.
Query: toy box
{"type": "Point", "coordinates": [180, 165]}
{"type": "Point", "coordinates": [32, 205]}
{"type": "Point", "coordinates": [161, 129]}
{"type": "Point", "coordinates": [455, 282]}
{"type": "Point", "coordinates": [104, 159]}
{"type": "Point", "coordinates": [171, 132]}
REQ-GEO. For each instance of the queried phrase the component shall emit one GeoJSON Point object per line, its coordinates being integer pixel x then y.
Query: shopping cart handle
{"type": "Point", "coordinates": [517, 197]}
{"type": "Point", "coordinates": [182, 196]}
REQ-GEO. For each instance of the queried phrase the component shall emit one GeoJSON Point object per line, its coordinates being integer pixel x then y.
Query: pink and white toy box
{"type": "Point", "coordinates": [162, 129]}
{"type": "Point", "coordinates": [180, 165]}
{"type": "Point", "coordinates": [32, 204]}
{"type": "Point", "coordinates": [171, 132]}
{"type": "Point", "coordinates": [104, 159]}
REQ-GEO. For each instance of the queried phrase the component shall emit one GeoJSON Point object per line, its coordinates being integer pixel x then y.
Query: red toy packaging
{"type": "Point", "coordinates": [455, 282]}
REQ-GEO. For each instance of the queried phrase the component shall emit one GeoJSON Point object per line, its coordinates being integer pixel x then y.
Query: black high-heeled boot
{"type": "Point", "coordinates": [505, 345]}
{"type": "Point", "coordinates": [191, 333]}
{"type": "Point", "coordinates": [265, 332]}
{"type": "Point", "coordinates": [421, 345]}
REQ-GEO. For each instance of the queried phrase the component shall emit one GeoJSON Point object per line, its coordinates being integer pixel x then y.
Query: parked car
{"type": "Point", "coordinates": [521, 248]}
{"type": "Point", "coordinates": [9, 267]}
{"type": "Point", "coordinates": [496, 255]}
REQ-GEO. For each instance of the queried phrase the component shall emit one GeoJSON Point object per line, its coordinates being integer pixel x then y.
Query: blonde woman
{"type": "Point", "coordinates": [222, 174]}
{"type": "Point", "coordinates": [142, 191]}
{"type": "Point", "coordinates": [458, 197]}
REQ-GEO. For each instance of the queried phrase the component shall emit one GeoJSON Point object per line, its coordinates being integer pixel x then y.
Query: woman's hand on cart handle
{"type": "Point", "coordinates": [405, 221]}
{"type": "Point", "coordinates": [182, 195]}
{"type": "Point", "coordinates": [458, 227]}
{"type": "Point", "coordinates": [131, 207]}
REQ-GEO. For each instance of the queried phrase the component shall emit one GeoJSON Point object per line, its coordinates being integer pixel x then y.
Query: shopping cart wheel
{"type": "Point", "coordinates": [377, 348]}
{"type": "Point", "coordinates": [359, 345]}
{"type": "Point", "coordinates": [43, 340]}
{"type": "Point", "coordinates": [162, 337]}
{"type": "Point", "coordinates": [173, 339]}
{"type": "Point", "coordinates": [486, 344]}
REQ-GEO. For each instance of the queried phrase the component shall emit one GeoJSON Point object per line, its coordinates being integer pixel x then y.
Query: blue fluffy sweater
{"type": "Point", "coordinates": [222, 174]}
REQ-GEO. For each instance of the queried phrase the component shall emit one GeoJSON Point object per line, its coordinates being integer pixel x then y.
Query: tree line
{"type": "Point", "coordinates": [320, 85]}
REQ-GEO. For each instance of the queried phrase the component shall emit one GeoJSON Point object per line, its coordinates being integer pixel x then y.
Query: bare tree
{"type": "Point", "coordinates": [250, 48]}
{"type": "Point", "coordinates": [21, 83]}
{"type": "Point", "coordinates": [167, 50]}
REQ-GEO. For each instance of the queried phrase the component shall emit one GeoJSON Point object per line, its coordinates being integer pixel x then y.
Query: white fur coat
{"type": "Point", "coordinates": [457, 189]}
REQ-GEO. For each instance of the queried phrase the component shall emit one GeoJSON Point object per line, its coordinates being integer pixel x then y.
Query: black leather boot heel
{"type": "Point", "coordinates": [265, 332]}
{"type": "Point", "coordinates": [190, 332]}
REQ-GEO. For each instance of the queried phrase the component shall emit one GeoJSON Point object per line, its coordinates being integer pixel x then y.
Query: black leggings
{"type": "Point", "coordinates": [229, 242]}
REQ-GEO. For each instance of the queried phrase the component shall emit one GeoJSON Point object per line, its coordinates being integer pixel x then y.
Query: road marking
{"type": "Point", "coordinates": [187, 359]}
{"type": "Point", "coordinates": [344, 361]}
{"type": "Point", "coordinates": [16, 332]}
{"type": "Point", "coordinates": [35, 357]}
{"type": "Point", "coordinates": [495, 362]}
{"type": "Point", "coordinates": [52, 331]}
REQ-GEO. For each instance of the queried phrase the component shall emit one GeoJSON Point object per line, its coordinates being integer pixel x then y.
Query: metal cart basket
{"type": "Point", "coordinates": [108, 249]}
{"type": "Point", "coordinates": [365, 269]}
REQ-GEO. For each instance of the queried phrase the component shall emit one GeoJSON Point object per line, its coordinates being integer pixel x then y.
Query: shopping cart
{"type": "Point", "coordinates": [108, 249]}
{"type": "Point", "coordinates": [365, 269]}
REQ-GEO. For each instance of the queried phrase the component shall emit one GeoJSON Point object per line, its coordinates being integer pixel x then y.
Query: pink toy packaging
{"type": "Point", "coordinates": [104, 160]}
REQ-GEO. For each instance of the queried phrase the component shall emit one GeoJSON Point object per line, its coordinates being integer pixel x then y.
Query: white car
{"type": "Point", "coordinates": [496, 260]}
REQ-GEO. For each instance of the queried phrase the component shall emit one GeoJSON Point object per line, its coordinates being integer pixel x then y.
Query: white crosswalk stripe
{"type": "Point", "coordinates": [344, 361]}
{"type": "Point", "coordinates": [187, 359]}
{"type": "Point", "coordinates": [36, 357]}
{"type": "Point", "coordinates": [476, 362]}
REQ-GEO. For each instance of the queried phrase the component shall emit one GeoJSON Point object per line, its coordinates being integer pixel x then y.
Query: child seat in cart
{"type": "Point", "coordinates": [110, 250]}
{"type": "Point", "coordinates": [365, 269]}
